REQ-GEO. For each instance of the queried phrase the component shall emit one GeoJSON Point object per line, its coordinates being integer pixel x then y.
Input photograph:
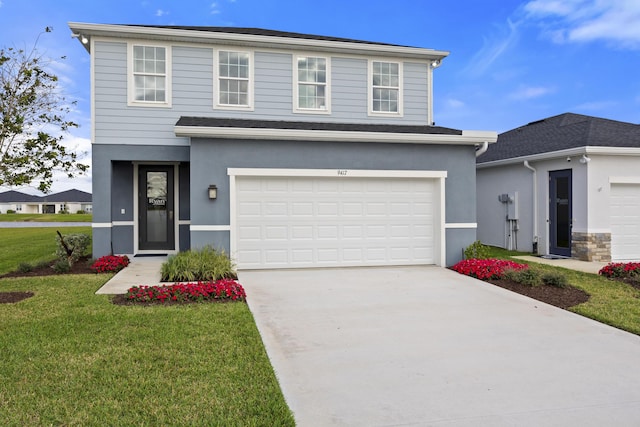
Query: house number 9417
{"type": "Point", "coordinates": [342, 172]}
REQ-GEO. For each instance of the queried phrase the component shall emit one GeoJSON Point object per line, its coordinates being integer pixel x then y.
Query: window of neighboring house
{"type": "Point", "coordinates": [311, 87]}
{"type": "Point", "coordinates": [385, 88]}
{"type": "Point", "coordinates": [150, 76]}
{"type": "Point", "coordinates": [18, 208]}
{"type": "Point", "coordinates": [235, 77]}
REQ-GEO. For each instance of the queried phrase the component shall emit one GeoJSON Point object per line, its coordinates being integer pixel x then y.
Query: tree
{"type": "Point", "coordinates": [33, 121]}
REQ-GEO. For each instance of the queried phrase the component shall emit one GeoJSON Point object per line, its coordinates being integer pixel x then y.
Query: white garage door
{"type": "Point", "coordinates": [625, 222]}
{"type": "Point", "coordinates": [325, 221]}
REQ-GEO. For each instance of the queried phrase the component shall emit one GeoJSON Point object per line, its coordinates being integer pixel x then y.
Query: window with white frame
{"type": "Point", "coordinates": [312, 84]}
{"type": "Point", "coordinates": [385, 87]}
{"type": "Point", "coordinates": [150, 67]}
{"type": "Point", "coordinates": [18, 208]}
{"type": "Point", "coordinates": [234, 79]}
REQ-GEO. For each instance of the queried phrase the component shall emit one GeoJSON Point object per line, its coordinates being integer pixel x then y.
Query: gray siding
{"type": "Point", "coordinates": [211, 158]}
{"type": "Point", "coordinates": [193, 94]}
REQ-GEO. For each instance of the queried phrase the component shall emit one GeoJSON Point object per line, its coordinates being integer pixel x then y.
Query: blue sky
{"type": "Point", "coordinates": [511, 62]}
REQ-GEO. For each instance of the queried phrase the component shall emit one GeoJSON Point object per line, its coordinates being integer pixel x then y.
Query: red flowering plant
{"type": "Point", "coordinates": [486, 269]}
{"type": "Point", "coordinates": [620, 270]}
{"type": "Point", "coordinates": [110, 264]}
{"type": "Point", "coordinates": [219, 290]}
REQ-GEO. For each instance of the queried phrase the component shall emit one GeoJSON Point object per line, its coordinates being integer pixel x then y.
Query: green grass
{"type": "Point", "coordinates": [70, 357]}
{"type": "Point", "coordinates": [72, 217]}
{"type": "Point", "coordinates": [612, 302]}
{"type": "Point", "coordinates": [30, 245]}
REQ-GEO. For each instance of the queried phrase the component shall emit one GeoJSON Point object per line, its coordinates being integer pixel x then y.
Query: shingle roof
{"type": "Point", "coordinates": [74, 195]}
{"type": "Point", "coordinates": [265, 32]}
{"type": "Point", "coordinates": [324, 126]}
{"type": "Point", "coordinates": [69, 196]}
{"type": "Point", "coordinates": [16, 196]}
{"type": "Point", "coordinates": [562, 132]}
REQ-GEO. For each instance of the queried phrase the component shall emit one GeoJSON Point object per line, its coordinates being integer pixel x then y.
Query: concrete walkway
{"type": "Point", "coordinates": [140, 271]}
{"type": "Point", "coordinates": [569, 263]}
{"type": "Point", "coordinates": [425, 346]}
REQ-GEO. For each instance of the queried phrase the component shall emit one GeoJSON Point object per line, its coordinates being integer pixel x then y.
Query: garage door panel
{"type": "Point", "coordinates": [306, 221]}
{"type": "Point", "coordinates": [625, 222]}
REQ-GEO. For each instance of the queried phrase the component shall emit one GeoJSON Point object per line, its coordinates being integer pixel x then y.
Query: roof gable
{"type": "Point", "coordinates": [562, 132]}
{"type": "Point", "coordinates": [12, 196]}
{"type": "Point", "coordinates": [69, 196]}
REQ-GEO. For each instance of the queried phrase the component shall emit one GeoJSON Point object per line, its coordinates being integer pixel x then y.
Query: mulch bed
{"type": "Point", "coordinates": [13, 297]}
{"type": "Point", "coordinates": [82, 266]}
{"type": "Point", "coordinates": [559, 297]}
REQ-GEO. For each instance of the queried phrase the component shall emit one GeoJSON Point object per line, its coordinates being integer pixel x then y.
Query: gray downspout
{"type": "Point", "coordinates": [535, 206]}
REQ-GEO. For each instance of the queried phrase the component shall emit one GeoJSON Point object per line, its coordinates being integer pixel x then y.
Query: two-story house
{"type": "Point", "coordinates": [283, 149]}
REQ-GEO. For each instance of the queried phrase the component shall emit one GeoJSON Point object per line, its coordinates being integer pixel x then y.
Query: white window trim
{"type": "Point", "coordinates": [327, 92]}
{"type": "Point", "coordinates": [400, 111]}
{"type": "Point", "coordinates": [131, 93]}
{"type": "Point", "coordinates": [216, 81]}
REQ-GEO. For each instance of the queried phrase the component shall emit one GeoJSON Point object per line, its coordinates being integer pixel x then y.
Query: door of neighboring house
{"type": "Point", "coordinates": [560, 212]}
{"type": "Point", "coordinates": [155, 208]}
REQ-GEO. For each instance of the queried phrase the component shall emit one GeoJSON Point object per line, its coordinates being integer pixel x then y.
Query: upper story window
{"type": "Point", "coordinates": [311, 85]}
{"type": "Point", "coordinates": [150, 77]}
{"type": "Point", "coordinates": [235, 80]}
{"type": "Point", "coordinates": [385, 88]}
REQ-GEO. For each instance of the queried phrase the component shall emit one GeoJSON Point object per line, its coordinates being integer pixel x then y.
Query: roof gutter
{"type": "Point", "coordinates": [482, 149]}
{"type": "Point", "coordinates": [263, 41]}
{"type": "Point", "coordinates": [467, 137]}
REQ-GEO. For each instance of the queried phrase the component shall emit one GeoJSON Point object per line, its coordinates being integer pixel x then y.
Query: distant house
{"type": "Point", "coordinates": [19, 202]}
{"type": "Point", "coordinates": [567, 185]}
{"type": "Point", "coordinates": [66, 201]}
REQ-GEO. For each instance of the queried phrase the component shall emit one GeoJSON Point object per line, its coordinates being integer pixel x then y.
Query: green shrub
{"type": "Point", "coordinates": [71, 247]}
{"type": "Point", "coordinates": [10, 211]}
{"type": "Point", "coordinates": [61, 266]}
{"type": "Point", "coordinates": [476, 250]}
{"type": "Point", "coordinates": [81, 212]}
{"type": "Point", "coordinates": [555, 279]}
{"type": "Point", "coordinates": [527, 276]}
{"type": "Point", "coordinates": [203, 264]}
{"type": "Point", "coordinates": [25, 267]}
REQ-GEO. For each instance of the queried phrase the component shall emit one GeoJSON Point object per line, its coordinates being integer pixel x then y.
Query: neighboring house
{"type": "Point", "coordinates": [70, 201]}
{"type": "Point", "coordinates": [19, 202]}
{"type": "Point", "coordinates": [283, 149]}
{"type": "Point", "coordinates": [567, 185]}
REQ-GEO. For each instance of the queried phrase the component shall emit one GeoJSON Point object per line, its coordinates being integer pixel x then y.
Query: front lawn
{"type": "Point", "coordinates": [31, 245]}
{"type": "Point", "coordinates": [70, 357]}
{"type": "Point", "coordinates": [612, 302]}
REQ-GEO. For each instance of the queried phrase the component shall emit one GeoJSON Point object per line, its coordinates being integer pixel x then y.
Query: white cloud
{"type": "Point", "coordinates": [570, 21]}
{"type": "Point", "coordinates": [493, 49]}
{"type": "Point", "coordinates": [214, 8]}
{"type": "Point", "coordinates": [530, 92]}
{"type": "Point", "coordinates": [454, 103]}
{"type": "Point", "coordinates": [161, 12]}
{"type": "Point", "coordinates": [595, 106]}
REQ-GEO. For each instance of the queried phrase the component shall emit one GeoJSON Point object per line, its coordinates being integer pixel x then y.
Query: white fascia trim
{"type": "Point", "coordinates": [184, 222]}
{"type": "Point", "coordinates": [624, 180]}
{"type": "Point", "coordinates": [467, 137]}
{"type": "Point", "coordinates": [342, 173]}
{"type": "Point", "coordinates": [612, 151]}
{"type": "Point", "coordinates": [101, 225]}
{"type": "Point", "coordinates": [122, 31]}
{"type": "Point", "coordinates": [123, 223]}
{"type": "Point", "coordinates": [210, 228]}
{"type": "Point", "coordinates": [461, 225]}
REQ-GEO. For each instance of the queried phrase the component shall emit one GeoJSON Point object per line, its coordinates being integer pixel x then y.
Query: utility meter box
{"type": "Point", "coordinates": [512, 206]}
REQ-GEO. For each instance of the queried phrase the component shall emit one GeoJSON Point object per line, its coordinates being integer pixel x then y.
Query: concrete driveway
{"type": "Point", "coordinates": [420, 346]}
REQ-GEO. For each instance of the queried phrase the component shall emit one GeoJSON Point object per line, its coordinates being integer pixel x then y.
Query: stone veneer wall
{"type": "Point", "coordinates": [591, 246]}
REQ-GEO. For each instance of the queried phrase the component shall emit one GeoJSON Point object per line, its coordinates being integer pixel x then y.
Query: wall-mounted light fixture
{"type": "Point", "coordinates": [80, 37]}
{"type": "Point", "coordinates": [436, 63]}
{"type": "Point", "coordinates": [213, 192]}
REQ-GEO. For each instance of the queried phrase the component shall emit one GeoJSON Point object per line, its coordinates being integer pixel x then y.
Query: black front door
{"type": "Point", "coordinates": [560, 212]}
{"type": "Point", "coordinates": [156, 219]}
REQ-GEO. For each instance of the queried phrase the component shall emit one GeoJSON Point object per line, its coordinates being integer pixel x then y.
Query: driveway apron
{"type": "Point", "coordinates": [419, 346]}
